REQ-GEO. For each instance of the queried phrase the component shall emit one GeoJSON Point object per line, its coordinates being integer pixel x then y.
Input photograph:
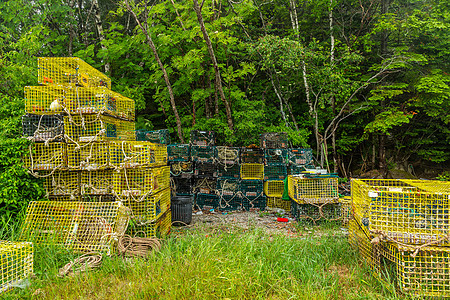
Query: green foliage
{"type": "Point", "coordinates": [17, 187]}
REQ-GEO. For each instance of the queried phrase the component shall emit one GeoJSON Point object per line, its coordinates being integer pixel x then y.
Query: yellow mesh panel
{"type": "Point", "coordinates": [44, 156]}
{"type": "Point", "coordinates": [252, 171]}
{"type": "Point", "coordinates": [278, 202]}
{"type": "Point", "coordinates": [16, 263]}
{"type": "Point", "coordinates": [407, 211]}
{"type": "Point", "coordinates": [62, 183]}
{"type": "Point", "coordinates": [313, 190]}
{"type": "Point", "coordinates": [70, 71]}
{"type": "Point", "coordinates": [274, 188]}
{"type": "Point", "coordinates": [80, 226]}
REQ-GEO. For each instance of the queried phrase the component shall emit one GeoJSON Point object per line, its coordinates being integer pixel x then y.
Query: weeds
{"type": "Point", "coordinates": [205, 264]}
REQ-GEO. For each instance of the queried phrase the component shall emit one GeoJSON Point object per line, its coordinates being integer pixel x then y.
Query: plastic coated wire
{"type": "Point", "coordinates": [82, 263]}
{"type": "Point", "coordinates": [137, 246]}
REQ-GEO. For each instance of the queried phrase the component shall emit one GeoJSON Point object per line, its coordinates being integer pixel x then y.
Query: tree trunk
{"type": "Point", "coordinates": [163, 69]}
{"type": "Point", "coordinates": [215, 65]}
{"type": "Point", "coordinates": [98, 23]}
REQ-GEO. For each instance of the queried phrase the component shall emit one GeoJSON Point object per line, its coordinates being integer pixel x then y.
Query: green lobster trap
{"type": "Point", "coordinates": [251, 188]}
{"type": "Point", "coordinates": [179, 152]}
{"type": "Point", "coordinates": [275, 172]}
{"type": "Point", "coordinates": [205, 154]}
{"type": "Point", "coordinates": [160, 136]}
{"type": "Point", "coordinates": [299, 156]}
{"type": "Point", "coordinates": [206, 201]}
{"type": "Point", "coordinates": [313, 213]}
{"type": "Point", "coordinates": [182, 169]}
{"type": "Point", "coordinates": [205, 185]}
{"type": "Point", "coordinates": [275, 157]}
{"type": "Point", "coordinates": [274, 140]}
{"type": "Point", "coordinates": [228, 187]}
{"type": "Point", "coordinates": [43, 128]}
{"type": "Point", "coordinates": [252, 156]}
{"type": "Point", "coordinates": [227, 155]}
{"type": "Point", "coordinates": [203, 138]}
{"type": "Point", "coordinates": [229, 172]}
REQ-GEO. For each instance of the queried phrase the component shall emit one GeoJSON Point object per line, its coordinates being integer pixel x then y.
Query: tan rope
{"type": "Point", "coordinates": [137, 246]}
{"type": "Point", "coordinates": [82, 263]}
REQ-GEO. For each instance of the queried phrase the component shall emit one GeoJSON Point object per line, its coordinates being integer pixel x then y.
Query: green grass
{"type": "Point", "coordinates": [217, 264]}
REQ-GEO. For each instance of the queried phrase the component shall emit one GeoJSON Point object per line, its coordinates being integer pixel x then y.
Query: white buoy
{"type": "Point", "coordinates": [55, 106]}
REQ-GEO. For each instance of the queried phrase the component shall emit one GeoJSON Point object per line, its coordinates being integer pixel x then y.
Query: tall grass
{"type": "Point", "coordinates": [205, 264]}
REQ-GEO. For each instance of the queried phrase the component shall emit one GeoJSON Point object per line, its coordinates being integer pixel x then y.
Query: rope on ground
{"type": "Point", "coordinates": [82, 263]}
{"type": "Point", "coordinates": [137, 246]}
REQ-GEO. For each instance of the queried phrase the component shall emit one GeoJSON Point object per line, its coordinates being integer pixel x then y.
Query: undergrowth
{"type": "Point", "coordinates": [205, 264]}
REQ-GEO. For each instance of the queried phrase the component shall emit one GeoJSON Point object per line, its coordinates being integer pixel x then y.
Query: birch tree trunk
{"type": "Point", "coordinates": [163, 69]}
{"type": "Point", "coordinates": [215, 65]}
{"type": "Point", "coordinates": [98, 23]}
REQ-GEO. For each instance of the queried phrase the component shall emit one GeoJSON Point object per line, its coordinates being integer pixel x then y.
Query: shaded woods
{"type": "Point", "coordinates": [363, 83]}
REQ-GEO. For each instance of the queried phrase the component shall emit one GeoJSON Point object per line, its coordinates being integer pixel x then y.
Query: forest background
{"type": "Point", "coordinates": [364, 83]}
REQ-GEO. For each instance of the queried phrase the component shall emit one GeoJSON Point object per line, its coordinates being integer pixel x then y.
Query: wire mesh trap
{"type": "Point", "coordinates": [70, 71]}
{"type": "Point", "coordinates": [230, 202]}
{"type": "Point", "coordinates": [95, 128]}
{"type": "Point", "coordinates": [275, 156]}
{"type": "Point", "coordinates": [46, 156]}
{"type": "Point", "coordinates": [274, 188]}
{"type": "Point", "coordinates": [204, 154]}
{"type": "Point", "coordinates": [99, 182]}
{"type": "Point", "coordinates": [147, 210]}
{"type": "Point", "coordinates": [205, 185]}
{"type": "Point", "coordinates": [406, 211]}
{"type": "Point", "coordinates": [278, 202]}
{"type": "Point", "coordinates": [252, 156]}
{"type": "Point", "coordinates": [181, 186]}
{"type": "Point", "coordinates": [179, 152]}
{"type": "Point", "coordinates": [79, 226]}
{"type": "Point", "coordinates": [273, 140]}
{"type": "Point", "coordinates": [206, 201]}
{"type": "Point", "coordinates": [141, 154]}
{"type": "Point", "coordinates": [229, 172]}
{"type": "Point", "coordinates": [313, 213]}
{"type": "Point", "coordinates": [91, 156]}
{"type": "Point", "coordinates": [182, 169]}
{"type": "Point", "coordinates": [16, 263]}
{"type": "Point", "coordinates": [140, 182]}
{"type": "Point", "coordinates": [252, 171]}
{"type": "Point", "coordinates": [275, 172]}
{"type": "Point", "coordinates": [299, 156]}
{"type": "Point", "coordinates": [62, 183]}
{"type": "Point", "coordinates": [203, 138]}
{"type": "Point", "coordinates": [258, 203]}
{"type": "Point", "coordinates": [228, 187]}
{"type": "Point", "coordinates": [227, 155]}
{"type": "Point", "coordinates": [160, 136]}
{"type": "Point", "coordinates": [251, 188]}
{"type": "Point", "coordinates": [313, 190]}
{"type": "Point", "coordinates": [42, 128]}
{"type": "Point", "coordinates": [205, 170]}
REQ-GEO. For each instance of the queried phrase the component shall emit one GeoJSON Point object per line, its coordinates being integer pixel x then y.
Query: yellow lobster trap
{"type": "Point", "coordinates": [361, 242]}
{"type": "Point", "coordinates": [278, 202]}
{"type": "Point", "coordinates": [252, 171]}
{"type": "Point", "coordinates": [140, 182]}
{"type": "Point", "coordinates": [62, 183]}
{"type": "Point", "coordinates": [46, 156]}
{"type": "Point", "coordinates": [142, 154]}
{"type": "Point", "coordinates": [313, 190]}
{"type": "Point", "coordinates": [346, 209]}
{"type": "Point", "coordinates": [406, 211]}
{"type": "Point", "coordinates": [79, 226]}
{"type": "Point", "coordinates": [99, 182]}
{"type": "Point", "coordinates": [147, 210]}
{"type": "Point", "coordinates": [70, 71]}
{"type": "Point", "coordinates": [91, 156]}
{"type": "Point", "coordinates": [274, 188]}
{"type": "Point", "coordinates": [424, 272]}
{"type": "Point", "coordinates": [159, 228]}
{"type": "Point", "coordinates": [16, 263]}
{"type": "Point", "coordinates": [95, 128]}
{"type": "Point", "coordinates": [77, 100]}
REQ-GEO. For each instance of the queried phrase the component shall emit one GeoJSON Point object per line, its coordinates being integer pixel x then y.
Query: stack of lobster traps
{"type": "Point", "coordinates": [314, 196]}
{"type": "Point", "coordinates": [100, 182]}
{"type": "Point", "coordinates": [401, 228]}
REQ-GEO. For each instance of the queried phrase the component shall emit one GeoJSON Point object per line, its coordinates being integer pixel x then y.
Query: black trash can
{"type": "Point", "coordinates": [181, 210]}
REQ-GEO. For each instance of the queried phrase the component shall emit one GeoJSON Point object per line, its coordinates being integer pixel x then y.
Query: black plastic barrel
{"type": "Point", "coordinates": [181, 210]}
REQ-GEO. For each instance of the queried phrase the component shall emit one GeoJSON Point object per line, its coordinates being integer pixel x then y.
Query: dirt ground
{"type": "Point", "coordinates": [267, 220]}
